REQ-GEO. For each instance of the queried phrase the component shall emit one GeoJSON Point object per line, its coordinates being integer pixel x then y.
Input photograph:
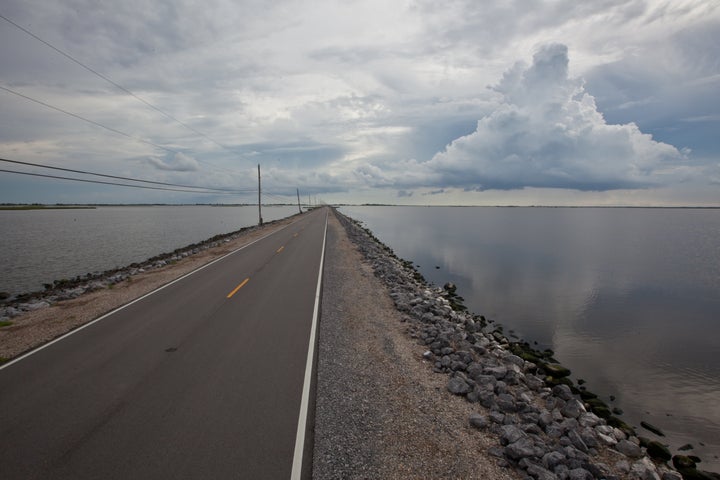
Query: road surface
{"type": "Point", "coordinates": [201, 379]}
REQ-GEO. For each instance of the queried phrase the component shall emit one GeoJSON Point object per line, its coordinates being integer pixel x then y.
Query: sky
{"type": "Point", "coordinates": [460, 102]}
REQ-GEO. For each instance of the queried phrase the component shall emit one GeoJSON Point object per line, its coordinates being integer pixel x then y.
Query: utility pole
{"type": "Point", "coordinates": [298, 195]}
{"type": "Point", "coordinates": [260, 222]}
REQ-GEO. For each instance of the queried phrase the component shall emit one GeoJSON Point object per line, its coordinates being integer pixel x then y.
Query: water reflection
{"type": "Point", "coordinates": [628, 298]}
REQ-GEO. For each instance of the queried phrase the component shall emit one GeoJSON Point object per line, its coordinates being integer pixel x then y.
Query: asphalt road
{"type": "Point", "coordinates": [200, 379]}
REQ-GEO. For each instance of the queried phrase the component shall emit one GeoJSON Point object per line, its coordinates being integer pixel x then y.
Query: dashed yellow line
{"type": "Point", "coordinates": [242, 284]}
{"type": "Point", "coordinates": [280, 249]}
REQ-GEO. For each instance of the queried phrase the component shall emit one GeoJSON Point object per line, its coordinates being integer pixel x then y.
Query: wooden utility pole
{"type": "Point", "coordinates": [260, 222]}
{"type": "Point", "coordinates": [298, 195]}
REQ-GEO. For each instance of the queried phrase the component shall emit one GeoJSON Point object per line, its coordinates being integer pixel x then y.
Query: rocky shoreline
{"type": "Point", "coordinates": [12, 306]}
{"type": "Point", "coordinates": [546, 426]}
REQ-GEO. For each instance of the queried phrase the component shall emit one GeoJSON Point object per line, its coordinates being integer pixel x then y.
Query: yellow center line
{"type": "Point", "coordinates": [238, 288]}
{"type": "Point", "coordinates": [280, 249]}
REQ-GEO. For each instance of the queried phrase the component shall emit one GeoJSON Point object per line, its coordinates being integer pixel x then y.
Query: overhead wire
{"type": "Point", "coordinates": [87, 180]}
{"type": "Point", "coordinates": [116, 131]}
{"type": "Point", "coordinates": [93, 122]}
{"type": "Point", "coordinates": [84, 172]}
{"type": "Point", "coordinates": [98, 124]}
{"type": "Point", "coordinates": [112, 82]}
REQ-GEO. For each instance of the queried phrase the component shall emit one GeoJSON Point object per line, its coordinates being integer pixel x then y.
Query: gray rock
{"type": "Point", "coordinates": [569, 424]}
{"type": "Point", "coordinates": [598, 470]}
{"type": "Point", "coordinates": [478, 421]}
{"type": "Point", "coordinates": [552, 459]}
{"type": "Point", "coordinates": [487, 398]}
{"type": "Point", "coordinates": [577, 441]}
{"type": "Point", "coordinates": [623, 466]}
{"type": "Point", "coordinates": [473, 396]}
{"type": "Point", "coordinates": [539, 473]}
{"type": "Point", "coordinates": [554, 430]}
{"type": "Point", "coordinates": [644, 470]}
{"type": "Point", "coordinates": [514, 359]}
{"type": "Point", "coordinates": [496, 417]}
{"type": "Point", "coordinates": [501, 387]}
{"type": "Point", "coordinates": [523, 448]}
{"type": "Point", "coordinates": [498, 372]}
{"type": "Point", "coordinates": [475, 370]}
{"type": "Point", "coordinates": [498, 452]}
{"type": "Point", "coordinates": [589, 438]}
{"type": "Point", "coordinates": [628, 448]}
{"type": "Point", "coordinates": [530, 417]}
{"type": "Point", "coordinates": [544, 419]}
{"type": "Point", "coordinates": [457, 366]}
{"type": "Point", "coordinates": [31, 307]}
{"type": "Point", "coordinates": [510, 434]}
{"type": "Point", "coordinates": [589, 419]}
{"type": "Point", "coordinates": [506, 403]}
{"type": "Point", "coordinates": [580, 474]}
{"type": "Point", "coordinates": [573, 408]}
{"type": "Point", "coordinates": [606, 439]}
{"type": "Point", "coordinates": [458, 386]}
{"type": "Point", "coordinates": [562, 391]}
{"type": "Point", "coordinates": [562, 471]}
{"type": "Point", "coordinates": [534, 383]}
{"type": "Point", "coordinates": [671, 476]}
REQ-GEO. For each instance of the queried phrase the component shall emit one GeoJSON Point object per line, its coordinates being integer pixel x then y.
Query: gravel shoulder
{"type": "Point", "coordinates": [380, 410]}
{"type": "Point", "coordinates": [34, 328]}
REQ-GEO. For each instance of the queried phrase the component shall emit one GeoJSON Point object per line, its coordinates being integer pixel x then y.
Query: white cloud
{"type": "Point", "coordinates": [547, 132]}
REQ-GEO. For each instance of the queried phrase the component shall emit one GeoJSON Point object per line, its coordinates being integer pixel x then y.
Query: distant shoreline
{"type": "Point", "coordinates": [47, 207]}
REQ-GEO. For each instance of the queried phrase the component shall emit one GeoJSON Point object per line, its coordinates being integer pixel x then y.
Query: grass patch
{"type": "Point", "coordinates": [5, 323]}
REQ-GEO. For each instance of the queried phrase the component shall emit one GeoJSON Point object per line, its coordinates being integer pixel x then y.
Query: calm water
{"type": "Point", "coordinates": [629, 299]}
{"type": "Point", "coordinates": [39, 246]}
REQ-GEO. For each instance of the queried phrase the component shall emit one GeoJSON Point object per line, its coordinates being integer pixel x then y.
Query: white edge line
{"type": "Point", "coordinates": [302, 420]}
{"type": "Point", "coordinates": [84, 326]}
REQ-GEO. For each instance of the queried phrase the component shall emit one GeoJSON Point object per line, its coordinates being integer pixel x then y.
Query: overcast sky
{"type": "Point", "coordinates": [602, 102]}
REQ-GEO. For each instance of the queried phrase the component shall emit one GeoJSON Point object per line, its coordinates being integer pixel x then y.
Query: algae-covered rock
{"type": "Point", "coordinates": [683, 462]}
{"type": "Point", "coordinates": [652, 428]}
{"type": "Point", "coordinates": [687, 466]}
{"type": "Point", "coordinates": [658, 451]}
{"type": "Point", "coordinates": [619, 424]}
{"type": "Point", "coordinates": [556, 370]}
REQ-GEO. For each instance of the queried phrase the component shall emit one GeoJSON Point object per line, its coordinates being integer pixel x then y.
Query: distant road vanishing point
{"type": "Point", "coordinates": [207, 377]}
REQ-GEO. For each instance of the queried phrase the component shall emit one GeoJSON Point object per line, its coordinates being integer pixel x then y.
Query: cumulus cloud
{"type": "Point", "coordinates": [178, 162]}
{"type": "Point", "coordinates": [547, 132]}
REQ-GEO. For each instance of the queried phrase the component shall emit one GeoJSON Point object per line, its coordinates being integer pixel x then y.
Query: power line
{"type": "Point", "coordinates": [85, 180]}
{"type": "Point", "coordinates": [98, 124]}
{"type": "Point", "coordinates": [119, 177]}
{"type": "Point", "coordinates": [107, 79]}
{"type": "Point", "coordinates": [93, 122]}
